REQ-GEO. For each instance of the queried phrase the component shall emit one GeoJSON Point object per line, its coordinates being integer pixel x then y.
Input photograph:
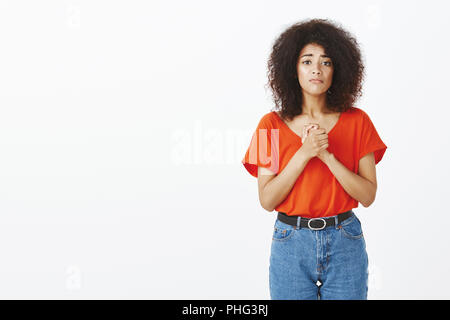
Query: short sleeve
{"type": "Point", "coordinates": [370, 140]}
{"type": "Point", "coordinates": [263, 150]}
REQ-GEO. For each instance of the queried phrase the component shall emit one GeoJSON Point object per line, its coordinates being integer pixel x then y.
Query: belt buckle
{"type": "Point", "coordinates": [323, 220]}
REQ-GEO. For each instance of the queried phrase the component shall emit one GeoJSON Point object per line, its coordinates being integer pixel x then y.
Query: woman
{"type": "Point", "coordinates": [315, 161]}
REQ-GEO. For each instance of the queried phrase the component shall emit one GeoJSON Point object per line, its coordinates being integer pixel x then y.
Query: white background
{"type": "Point", "coordinates": [123, 125]}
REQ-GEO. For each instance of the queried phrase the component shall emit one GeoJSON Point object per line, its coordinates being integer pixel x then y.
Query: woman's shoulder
{"type": "Point", "coordinates": [269, 120]}
{"type": "Point", "coordinates": [356, 113]}
{"type": "Point", "coordinates": [354, 110]}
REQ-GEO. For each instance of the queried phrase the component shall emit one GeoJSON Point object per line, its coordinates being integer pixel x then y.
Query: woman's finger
{"type": "Point", "coordinates": [306, 130]}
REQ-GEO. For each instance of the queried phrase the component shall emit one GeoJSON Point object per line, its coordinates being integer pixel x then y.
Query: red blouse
{"type": "Point", "coordinates": [316, 193]}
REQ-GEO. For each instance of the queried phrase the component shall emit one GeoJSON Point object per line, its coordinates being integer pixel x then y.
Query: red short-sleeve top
{"type": "Point", "coordinates": [316, 193]}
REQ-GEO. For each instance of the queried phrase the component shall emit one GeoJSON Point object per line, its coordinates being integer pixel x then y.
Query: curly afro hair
{"type": "Point", "coordinates": [344, 52]}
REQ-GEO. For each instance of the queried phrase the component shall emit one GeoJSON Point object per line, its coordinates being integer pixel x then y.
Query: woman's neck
{"type": "Point", "coordinates": [315, 107]}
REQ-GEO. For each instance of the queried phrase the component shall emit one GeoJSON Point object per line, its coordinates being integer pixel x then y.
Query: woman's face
{"type": "Point", "coordinates": [314, 64]}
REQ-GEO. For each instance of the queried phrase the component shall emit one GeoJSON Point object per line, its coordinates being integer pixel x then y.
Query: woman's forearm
{"type": "Point", "coordinates": [357, 187]}
{"type": "Point", "coordinates": [279, 187]}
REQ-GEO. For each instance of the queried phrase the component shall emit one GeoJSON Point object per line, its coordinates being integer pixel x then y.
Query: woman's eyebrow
{"type": "Point", "coordinates": [310, 55]}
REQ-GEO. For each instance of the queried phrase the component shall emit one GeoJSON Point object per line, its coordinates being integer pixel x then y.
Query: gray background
{"type": "Point", "coordinates": [123, 125]}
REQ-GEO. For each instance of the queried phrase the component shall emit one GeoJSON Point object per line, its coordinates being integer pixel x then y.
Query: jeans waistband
{"type": "Point", "coordinates": [314, 223]}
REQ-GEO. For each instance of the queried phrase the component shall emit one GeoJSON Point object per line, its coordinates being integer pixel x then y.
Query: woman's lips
{"type": "Point", "coordinates": [316, 81]}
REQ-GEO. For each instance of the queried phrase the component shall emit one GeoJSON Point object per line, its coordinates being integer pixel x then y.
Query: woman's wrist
{"type": "Point", "coordinates": [302, 156]}
{"type": "Point", "coordinates": [327, 157]}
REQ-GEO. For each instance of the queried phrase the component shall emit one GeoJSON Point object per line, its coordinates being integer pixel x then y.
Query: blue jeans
{"type": "Point", "coordinates": [327, 264]}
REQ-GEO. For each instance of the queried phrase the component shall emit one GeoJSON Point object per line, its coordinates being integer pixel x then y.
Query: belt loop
{"type": "Point", "coordinates": [298, 222]}
{"type": "Point", "coordinates": [336, 221]}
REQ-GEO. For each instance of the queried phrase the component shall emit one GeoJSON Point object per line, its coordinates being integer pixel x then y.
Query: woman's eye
{"type": "Point", "coordinates": [329, 62]}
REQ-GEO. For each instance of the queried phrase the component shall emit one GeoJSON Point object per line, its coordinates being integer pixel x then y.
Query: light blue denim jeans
{"type": "Point", "coordinates": [327, 264]}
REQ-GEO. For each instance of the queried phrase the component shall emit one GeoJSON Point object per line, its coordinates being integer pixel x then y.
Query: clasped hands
{"type": "Point", "coordinates": [324, 154]}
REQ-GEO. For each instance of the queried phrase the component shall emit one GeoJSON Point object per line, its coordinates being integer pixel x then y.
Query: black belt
{"type": "Point", "coordinates": [314, 223]}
